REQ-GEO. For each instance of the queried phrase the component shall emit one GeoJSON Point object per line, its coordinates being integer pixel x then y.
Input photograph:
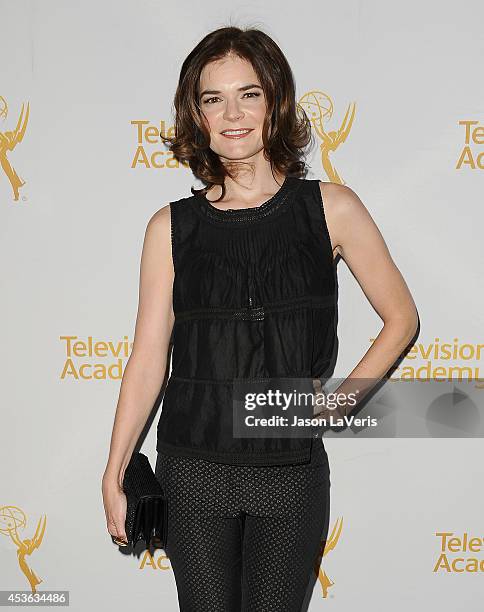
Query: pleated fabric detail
{"type": "Point", "coordinates": [255, 297]}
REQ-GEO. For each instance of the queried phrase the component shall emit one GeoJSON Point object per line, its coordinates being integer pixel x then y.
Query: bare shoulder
{"type": "Point", "coordinates": [349, 221]}
{"type": "Point", "coordinates": [159, 223]}
{"type": "Point", "coordinates": [160, 219]}
{"type": "Point", "coordinates": [345, 214]}
{"type": "Point", "coordinates": [157, 241]}
{"type": "Point", "coordinates": [340, 200]}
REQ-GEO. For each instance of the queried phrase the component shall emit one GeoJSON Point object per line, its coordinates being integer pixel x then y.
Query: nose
{"type": "Point", "coordinates": [232, 111]}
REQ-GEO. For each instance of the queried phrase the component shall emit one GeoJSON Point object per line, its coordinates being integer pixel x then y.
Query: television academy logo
{"type": "Point", "coordinates": [459, 554]}
{"type": "Point", "coordinates": [470, 156]}
{"type": "Point", "coordinates": [329, 545]}
{"type": "Point", "coordinates": [12, 522]}
{"type": "Point", "coordinates": [9, 139]}
{"type": "Point", "coordinates": [319, 108]}
{"type": "Point", "coordinates": [150, 151]}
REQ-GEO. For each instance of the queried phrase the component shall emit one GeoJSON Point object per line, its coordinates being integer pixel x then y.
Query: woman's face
{"type": "Point", "coordinates": [231, 98]}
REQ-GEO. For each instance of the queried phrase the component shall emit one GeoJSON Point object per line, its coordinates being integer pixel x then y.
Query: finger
{"type": "Point", "coordinates": [119, 541]}
{"type": "Point", "coordinates": [115, 531]}
{"type": "Point", "coordinates": [120, 532]}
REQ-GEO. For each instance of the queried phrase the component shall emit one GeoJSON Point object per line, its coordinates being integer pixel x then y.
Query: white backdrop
{"type": "Point", "coordinates": [71, 244]}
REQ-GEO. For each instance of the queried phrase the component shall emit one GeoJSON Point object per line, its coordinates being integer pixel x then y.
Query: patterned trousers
{"type": "Point", "coordinates": [245, 538]}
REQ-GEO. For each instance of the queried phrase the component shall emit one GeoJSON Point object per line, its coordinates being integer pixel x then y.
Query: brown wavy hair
{"type": "Point", "coordinates": [290, 128]}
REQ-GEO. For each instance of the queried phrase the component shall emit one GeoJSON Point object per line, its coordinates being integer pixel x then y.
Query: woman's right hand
{"type": "Point", "coordinates": [115, 505]}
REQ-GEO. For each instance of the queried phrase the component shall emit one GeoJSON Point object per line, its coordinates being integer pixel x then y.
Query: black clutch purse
{"type": "Point", "coordinates": [147, 508]}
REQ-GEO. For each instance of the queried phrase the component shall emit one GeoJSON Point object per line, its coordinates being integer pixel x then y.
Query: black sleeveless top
{"type": "Point", "coordinates": [254, 296]}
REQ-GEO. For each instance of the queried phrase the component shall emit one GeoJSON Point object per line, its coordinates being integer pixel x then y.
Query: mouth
{"type": "Point", "coordinates": [242, 133]}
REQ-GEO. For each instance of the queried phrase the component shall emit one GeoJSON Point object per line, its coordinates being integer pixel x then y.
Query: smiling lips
{"type": "Point", "coordinates": [236, 133]}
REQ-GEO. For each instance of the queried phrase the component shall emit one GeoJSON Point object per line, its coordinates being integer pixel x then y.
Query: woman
{"type": "Point", "coordinates": [254, 297]}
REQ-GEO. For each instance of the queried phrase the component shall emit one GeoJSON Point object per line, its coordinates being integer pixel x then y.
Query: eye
{"type": "Point", "coordinates": [247, 93]}
{"type": "Point", "coordinates": [207, 100]}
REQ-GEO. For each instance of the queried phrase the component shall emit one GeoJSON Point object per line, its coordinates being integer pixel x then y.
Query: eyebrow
{"type": "Point", "coordinates": [243, 88]}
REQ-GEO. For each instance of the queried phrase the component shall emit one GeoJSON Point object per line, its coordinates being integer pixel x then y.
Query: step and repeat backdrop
{"type": "Point", "coordinates": [397, 102]}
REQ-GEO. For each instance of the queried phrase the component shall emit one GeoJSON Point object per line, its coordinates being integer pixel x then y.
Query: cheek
{"type": "Point", "coordinates": [259, 115]}
{"type": "Point", "coordinates": [209, 116]}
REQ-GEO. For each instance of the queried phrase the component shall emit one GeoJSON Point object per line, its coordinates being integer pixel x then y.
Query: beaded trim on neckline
{"type": "Point", "coordinates": [245, 214]}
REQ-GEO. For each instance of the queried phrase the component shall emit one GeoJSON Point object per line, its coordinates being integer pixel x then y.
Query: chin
{"type": "Point", "coordinates": [235, 156]}
{"type": "Point", "coordinates": [237, 153]}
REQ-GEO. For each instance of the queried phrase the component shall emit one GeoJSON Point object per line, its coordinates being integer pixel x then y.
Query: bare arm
{"type": "Point", "coordinates": [355, 236]}
{"type": "Point", "coordinates": [146, 367]}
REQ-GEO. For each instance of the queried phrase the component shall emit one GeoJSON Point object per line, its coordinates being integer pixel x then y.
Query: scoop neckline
{"type": "Point", "coordinates": [245, 215]}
